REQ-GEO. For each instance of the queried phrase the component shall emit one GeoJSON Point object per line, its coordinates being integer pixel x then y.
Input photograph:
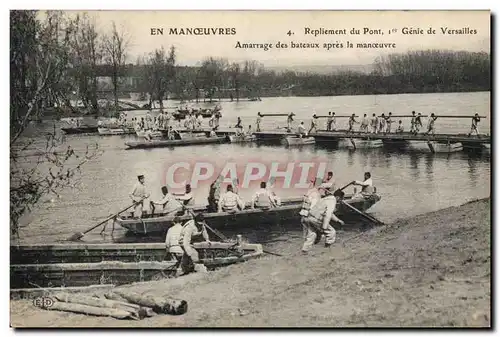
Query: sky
{"type": "Point", "coordinates": [272, 27]}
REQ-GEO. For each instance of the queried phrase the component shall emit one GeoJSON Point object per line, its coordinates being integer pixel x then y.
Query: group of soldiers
{"type": "Point", "coordinates": [318, 209]}
{"type": "Point", "coordinates": [179, 237]}
{"type": "Point", "coordinates": [375, 124]}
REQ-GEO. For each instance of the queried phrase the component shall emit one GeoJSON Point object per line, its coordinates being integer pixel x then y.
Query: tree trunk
{"type": "Point", "coordinates": [159, 305]}
{"type": "Point", "coordinates": [90, 310]}
{"type": "Point", "coordinates": [115, 89]}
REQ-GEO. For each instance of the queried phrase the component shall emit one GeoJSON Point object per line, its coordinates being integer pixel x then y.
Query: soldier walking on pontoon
{"type": "Point", "coordinates": [352, 120]}
{"type": "Point", "coordinates": [473, 127]}
{"type": "Point", "coordinates": [430, 125]}
{"type": "Point", "coordinates": [329, 121]}
{"type": "Point", "coordinates": [289, 121]}
{"type": "Point", "coordinates": [363, 127]}
{"type": "Point", "coordinates": [413, 122]}
{"type": "Point", "coordinates": [258, 121]}
{"type": "Point", "coordinates": [313, 124]}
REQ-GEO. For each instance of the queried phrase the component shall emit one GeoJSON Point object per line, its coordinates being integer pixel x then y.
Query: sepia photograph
{"type": "Point", "coordinates": [250, 168]}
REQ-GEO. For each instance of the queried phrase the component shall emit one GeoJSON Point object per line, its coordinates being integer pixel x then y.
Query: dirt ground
{"type": "Point", "coordinates": [432, 270]}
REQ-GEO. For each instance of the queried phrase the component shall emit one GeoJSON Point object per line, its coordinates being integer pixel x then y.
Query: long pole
{"type": "Point", "coordinates": [78, 236]}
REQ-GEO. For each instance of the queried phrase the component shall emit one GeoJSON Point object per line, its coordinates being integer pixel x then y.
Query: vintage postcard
{"type": "Point", "coordinates": [250, 168]}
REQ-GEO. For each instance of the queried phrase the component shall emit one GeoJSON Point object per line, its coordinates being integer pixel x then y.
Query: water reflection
{"type": "Point", "coordinates": [414, 160]}
{"type": "Point", "coordinates": [429, 166]}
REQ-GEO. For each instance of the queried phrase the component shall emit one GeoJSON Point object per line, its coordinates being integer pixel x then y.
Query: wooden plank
{"type": "Point", "coordinates": [336, 116]}
{"type": "Point", "coordinates": [90, 310]}
{"type": "Point", "coordinates": [29, 293]}
{"type": "Point", "coordinates": [106, 265]}
{"type": "Point", "coordinates": [137, 247]}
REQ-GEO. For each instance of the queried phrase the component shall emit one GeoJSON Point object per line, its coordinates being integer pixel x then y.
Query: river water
{"type": "Point", "coordinates": [409, 183]}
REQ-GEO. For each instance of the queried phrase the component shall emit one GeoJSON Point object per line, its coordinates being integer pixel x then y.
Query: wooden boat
{"type": "Point", "coordinates": [205, 113]}
{"type": "Point", "coordinates": [154, 134]}
{"type": "Point", "coordinates": [242, 138]}
{"type": "Point", "coordinates": [145, 144]}
{"type": "Point", "coordinates": [360, 143]}
{"type": "Point", "coordinates": [106, 131]}
{"type": "Point", "coordinates": [295, 140]}
{"type": "Point", "coordinates": [434, 147]}
{"type": "Point", "coordinates": [80, 130]}
{"type": "Point", "coordinates": [69, 265]}
{"type": "Point", "coordinates": [158, 224]}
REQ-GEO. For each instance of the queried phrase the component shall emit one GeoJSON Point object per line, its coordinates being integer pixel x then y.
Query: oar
{"type": "Point", "coordinates": [363, 214]}
{"type": "Point", "coordinates": [273, 115]}
{"type": "Point", "coordinates": [78, 236]}
{"type": "Point", "coordinates": [326, 116]}
{"type": "Point", "coordinates": [346, 186]}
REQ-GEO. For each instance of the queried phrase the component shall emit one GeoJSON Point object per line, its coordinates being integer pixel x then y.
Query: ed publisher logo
{"type": "Point", "coordinates": [43, 302]}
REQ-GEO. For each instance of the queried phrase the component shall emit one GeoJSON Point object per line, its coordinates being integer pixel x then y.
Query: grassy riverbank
{"type": "Point", "coordinates": [429, 270]}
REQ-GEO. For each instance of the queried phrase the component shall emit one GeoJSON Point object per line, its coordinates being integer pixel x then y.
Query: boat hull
{"type": "Point", "coordinates": [75, 265]}
{"type": "Point", "coordinates": [434, 147]}
{"type": "Point", "coordinates": [289, 212]}
{"type": "Point", "coordinates": [80, 130]}
{"type": "Point", "coordinates": [173, 143]}
{"type": "Point", "coordinates": [154, 134]}
{"type": "Point", "coordinates": [297, 141]}
{"type": "Point", "coordinates": [242, 139]}
{"type": "Point", "coordinates": [115, 131]}
{"type": "Point", "coordinates": [360, 143]}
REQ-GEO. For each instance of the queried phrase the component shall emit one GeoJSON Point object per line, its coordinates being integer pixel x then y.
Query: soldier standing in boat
{"type": "Point", "coordinates": [418, 123]}
{"type": "Point", "coordinates": [258, 121]}
{"type": "Point", "coordinates": [230, 201]}
{"type": "Point", "coordinates": [238, 124]}
{"type": "Point", "coordinates": [149, 121]}
{"type": "Point", "coordinates": [473, 127]}
{"type": "Point", "coordinates": [159, 120]}
{"type": "Point", "coordinates": [169, 203]}
{"type": "Point", "coordinates": [400, 128]}
{"type": "Point", "coordinates": [186, 198]}
{"type": "Point", "coordinates": [214, 195]}
{"type": "Point", "coordinates": [374, 123]}
{"type": "Point", "coordinates": [329, 121]}
{"type": "Point", "coordinates": [317, 221]}
{"type": "Point", "coordinates": [366, 187]}
{"type": "Point", "coordinates": [199, 120]}
{"type": "Point", "coordinates": [301, 130]}
{"type": "Point", "coordinates": [389, 122]}
{"type": "Point", "coordinates": [329, 182]}
{"type": "Point", "coordinates": [352, 120]}
{"type": "Point", "coordinates": [190, 259]}
{"type": "Point", "coordinates": [430, 125]}
{"type": "Point", "coordinates": [364, 124]}
{"type": "Point", "coordinates": [413, 121]}
{"type": "Point", "coordinates": [263, 198]}
{"type": "Point", "coordinates": [333, 126]}
{"type": "Point", "coordinates": [217, 118]}
{"type": "Point", "coordinates": [381, 124]}
{"type": "Point", "coordinates": [138, 195]}
{"type": "Point", "coordinates": [289, 121]}
{"type": "Point", "coordinates": [313, 124]}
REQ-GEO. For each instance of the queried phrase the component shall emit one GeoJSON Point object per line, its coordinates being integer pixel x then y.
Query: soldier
{"type": "Point", "coordinates": [317, 221]}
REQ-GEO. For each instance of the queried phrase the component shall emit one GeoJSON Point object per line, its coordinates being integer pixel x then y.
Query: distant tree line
{"type": "Point", "coordinates": [412, 72]}
{"type": "Point", "coordinates": [84, 55]}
